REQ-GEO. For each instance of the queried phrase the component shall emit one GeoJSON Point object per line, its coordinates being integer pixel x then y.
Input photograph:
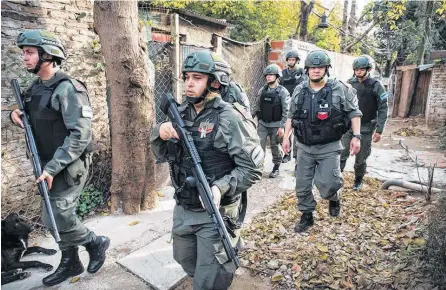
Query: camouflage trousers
{"type": "Point", "coordinates": [64, 195]}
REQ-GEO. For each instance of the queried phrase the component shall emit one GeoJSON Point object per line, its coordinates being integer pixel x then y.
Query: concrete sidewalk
{"type": "Point", "coordinates": [140, 256]}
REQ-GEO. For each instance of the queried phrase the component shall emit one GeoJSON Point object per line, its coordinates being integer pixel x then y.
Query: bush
{"type": "Point", "coordinates": [89, 200]}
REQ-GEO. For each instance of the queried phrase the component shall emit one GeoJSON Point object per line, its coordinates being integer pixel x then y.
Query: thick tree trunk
{"type": "Point", "coordinates": [305, 10]}
{"type": "Point", "coordinates": [344, 25]}
{"type": "Point", "coordinates": [132, 109]}
{"type": "Point", "coordinates": [352, 20]}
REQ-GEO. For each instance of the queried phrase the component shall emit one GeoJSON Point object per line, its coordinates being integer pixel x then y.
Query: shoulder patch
{"type": "Point", "coordinates": [78, 85]}
{"type": "Point", "coordinates": [242, 110]}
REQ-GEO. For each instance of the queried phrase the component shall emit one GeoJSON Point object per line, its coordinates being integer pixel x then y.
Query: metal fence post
{"type": "Point", "coordinates": [175, 33]}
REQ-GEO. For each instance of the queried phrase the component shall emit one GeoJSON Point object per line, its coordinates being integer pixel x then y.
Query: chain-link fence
{"type": "Point", "coordinates": [247, 64]}
{"type": "Point", "coordinates": [160, 53]}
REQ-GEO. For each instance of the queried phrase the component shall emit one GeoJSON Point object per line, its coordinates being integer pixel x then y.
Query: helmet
{"type": "Point", "coordinates": [208, 62]}
{"type": "Point", "coordinates": [292, 53]}
{"type": "Point", "coordinates": [362, 61]}
{"type": "Point", "coordinates": [317, 58]}
{"type": "Point", "coordinates": [44, 40]}
{"type": "Point", "coordinates": [273, 69]}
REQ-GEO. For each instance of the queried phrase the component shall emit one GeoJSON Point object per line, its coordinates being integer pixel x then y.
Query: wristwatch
{"type": "Point", "coordinates": [359, 136]}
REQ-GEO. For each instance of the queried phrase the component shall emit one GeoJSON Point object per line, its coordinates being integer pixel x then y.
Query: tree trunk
{"type": "Point", "coordinates": [425, 26]}
{"type": "Point", "coordinates": [305, 10]}
{"type": "Point", "coordinates": [131, 100]}
{"type": "Point", "coordinates": [344, 25]}
{"type": "Point", "coordinates": [352, 21]}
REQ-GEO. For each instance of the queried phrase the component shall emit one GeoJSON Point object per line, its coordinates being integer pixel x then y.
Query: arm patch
{"type": "Point", "coordinates": [79, 86]}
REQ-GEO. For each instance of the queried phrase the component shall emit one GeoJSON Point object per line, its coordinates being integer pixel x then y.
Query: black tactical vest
{"type": "Point", "coordinates": [316, 120]}
{"type": "Point", "coordinates": [270, 105]}
{"type": "Point", "coordinates": [48, 126]}
{"type": "Point", "coordinates": [215, 162]}
{"type": "Point", "coordinates": [367, 99]}
{"type": "Point", "coordinates": [290, 79]}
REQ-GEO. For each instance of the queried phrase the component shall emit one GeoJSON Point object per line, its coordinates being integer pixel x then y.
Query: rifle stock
{"type": "Point", "coordinates": [170, 107]}
{"type": "Point", "coordinates": [34, 156]}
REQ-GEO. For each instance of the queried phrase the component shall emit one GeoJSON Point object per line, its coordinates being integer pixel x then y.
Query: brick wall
{"type": "Point", "coordinates": [72, 21]}
{"type": "Point", "coordinates": [436, 101]}
{"type": "Point", "coordinates": [341, 63]}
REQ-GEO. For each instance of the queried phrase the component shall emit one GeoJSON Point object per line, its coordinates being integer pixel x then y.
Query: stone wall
{"type": "Point", "coordinates": [341, 63]}
{"type": "Point", "coordinates": [72, 21]}
{"type": "Point", "coordinates": [436, 102]}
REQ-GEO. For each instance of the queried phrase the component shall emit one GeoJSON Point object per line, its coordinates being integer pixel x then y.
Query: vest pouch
{"type": "Point", "coordinates": [74, 172]}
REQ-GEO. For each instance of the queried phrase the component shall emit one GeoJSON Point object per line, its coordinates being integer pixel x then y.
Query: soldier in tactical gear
{"type": "Point", "coordinates": [230, 91]}
{"type": "Point", "coordinates": [232, 159]}
{"type": "Point", "coordinates": [271, 109]}
{"type": "Point", "coordinates": [291, 77]}
{"type": "Point", "coordinates": [320, 113]}
{"type": "Point", "coordinates": [60, 113]}
{"type": "Point", "coordinates": [372, 99]}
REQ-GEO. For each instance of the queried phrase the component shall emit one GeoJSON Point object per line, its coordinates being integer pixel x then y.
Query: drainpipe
{"type": "Point", "coordinates": [409, 185]}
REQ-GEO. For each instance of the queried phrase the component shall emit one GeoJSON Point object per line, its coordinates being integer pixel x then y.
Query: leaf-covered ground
{"type": "Point", "coordinates": [376, 243]}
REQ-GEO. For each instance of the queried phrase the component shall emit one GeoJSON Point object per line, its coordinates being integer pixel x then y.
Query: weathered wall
{"type": "Point", "coordinates": [341, 63]}
{"type": "Point", "coordinates": [72, 21]}
{"type": "Point", "coordinates": [436, 102]}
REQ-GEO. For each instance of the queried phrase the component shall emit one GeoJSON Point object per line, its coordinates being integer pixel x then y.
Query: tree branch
{"type": "Point", "coordinates": [358, 39]}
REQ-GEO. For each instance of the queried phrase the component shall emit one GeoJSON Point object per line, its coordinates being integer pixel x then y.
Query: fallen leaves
{"type": "Point", "coordinates": [134, 223]}
{"type": "Point", "coordinates": [372, 245]}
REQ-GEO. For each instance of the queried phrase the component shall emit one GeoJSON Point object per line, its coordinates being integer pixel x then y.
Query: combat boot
{"type": "Point", "coordinates": [334, 207]}
{"type": "Point", "coordinates": [357, 185]}
{"type": "Point", "coordinates": [96, 249]}
{"type": "Point", "coordinates": [306, 221]}
{"type": "Point", "coordinates": [70, 265]}
{"type": "Point", "coordinates": [275, 171]}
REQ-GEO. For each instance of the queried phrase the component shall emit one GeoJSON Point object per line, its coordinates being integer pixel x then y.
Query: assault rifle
{"type": "Point", "coordinates": [170, 107]}
{"type": "Point", "coordinates": [34, 156]}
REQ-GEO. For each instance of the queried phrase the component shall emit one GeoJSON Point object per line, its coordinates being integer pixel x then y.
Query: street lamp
{"type": "Point", "coordinates": [324, 21]}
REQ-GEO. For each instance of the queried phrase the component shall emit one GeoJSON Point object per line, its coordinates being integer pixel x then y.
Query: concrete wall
{"type": "Point", "coordinates": [72, 21]}
{"type": "Point", "coordinates": [341, 63]}
{"type": "Point", "coordinates": [436, 102]}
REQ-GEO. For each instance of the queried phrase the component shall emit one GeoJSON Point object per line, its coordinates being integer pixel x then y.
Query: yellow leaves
{"type": "Point", "coordinates": [74, 279]}
{"type": "Point", "coordinates": [277, 277]}
{"type": "Point", "coordinates": [419, 242]}
{"type": "Point", "coordinates": [322, 248]}
{"type": "Point", "coordinates": [160, 193]}
{"type": "Point", "coordinates": [371, 241]}
{"type": "Point", "coordinates": [134, 223]}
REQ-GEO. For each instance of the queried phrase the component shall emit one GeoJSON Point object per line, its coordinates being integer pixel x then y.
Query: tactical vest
{"type": "Point", "coordinates": [48, 125]}
{"type": "Point", "coordinates": [316, 120]}
{"type": "Point", "coordinates": [289, 80]}
{"type": "Point", "coordinates": [367, 99]}
{"type": "Point", "coordinates": [270, 105]}
{"type": "Point", "coordinates": [215, 163]}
